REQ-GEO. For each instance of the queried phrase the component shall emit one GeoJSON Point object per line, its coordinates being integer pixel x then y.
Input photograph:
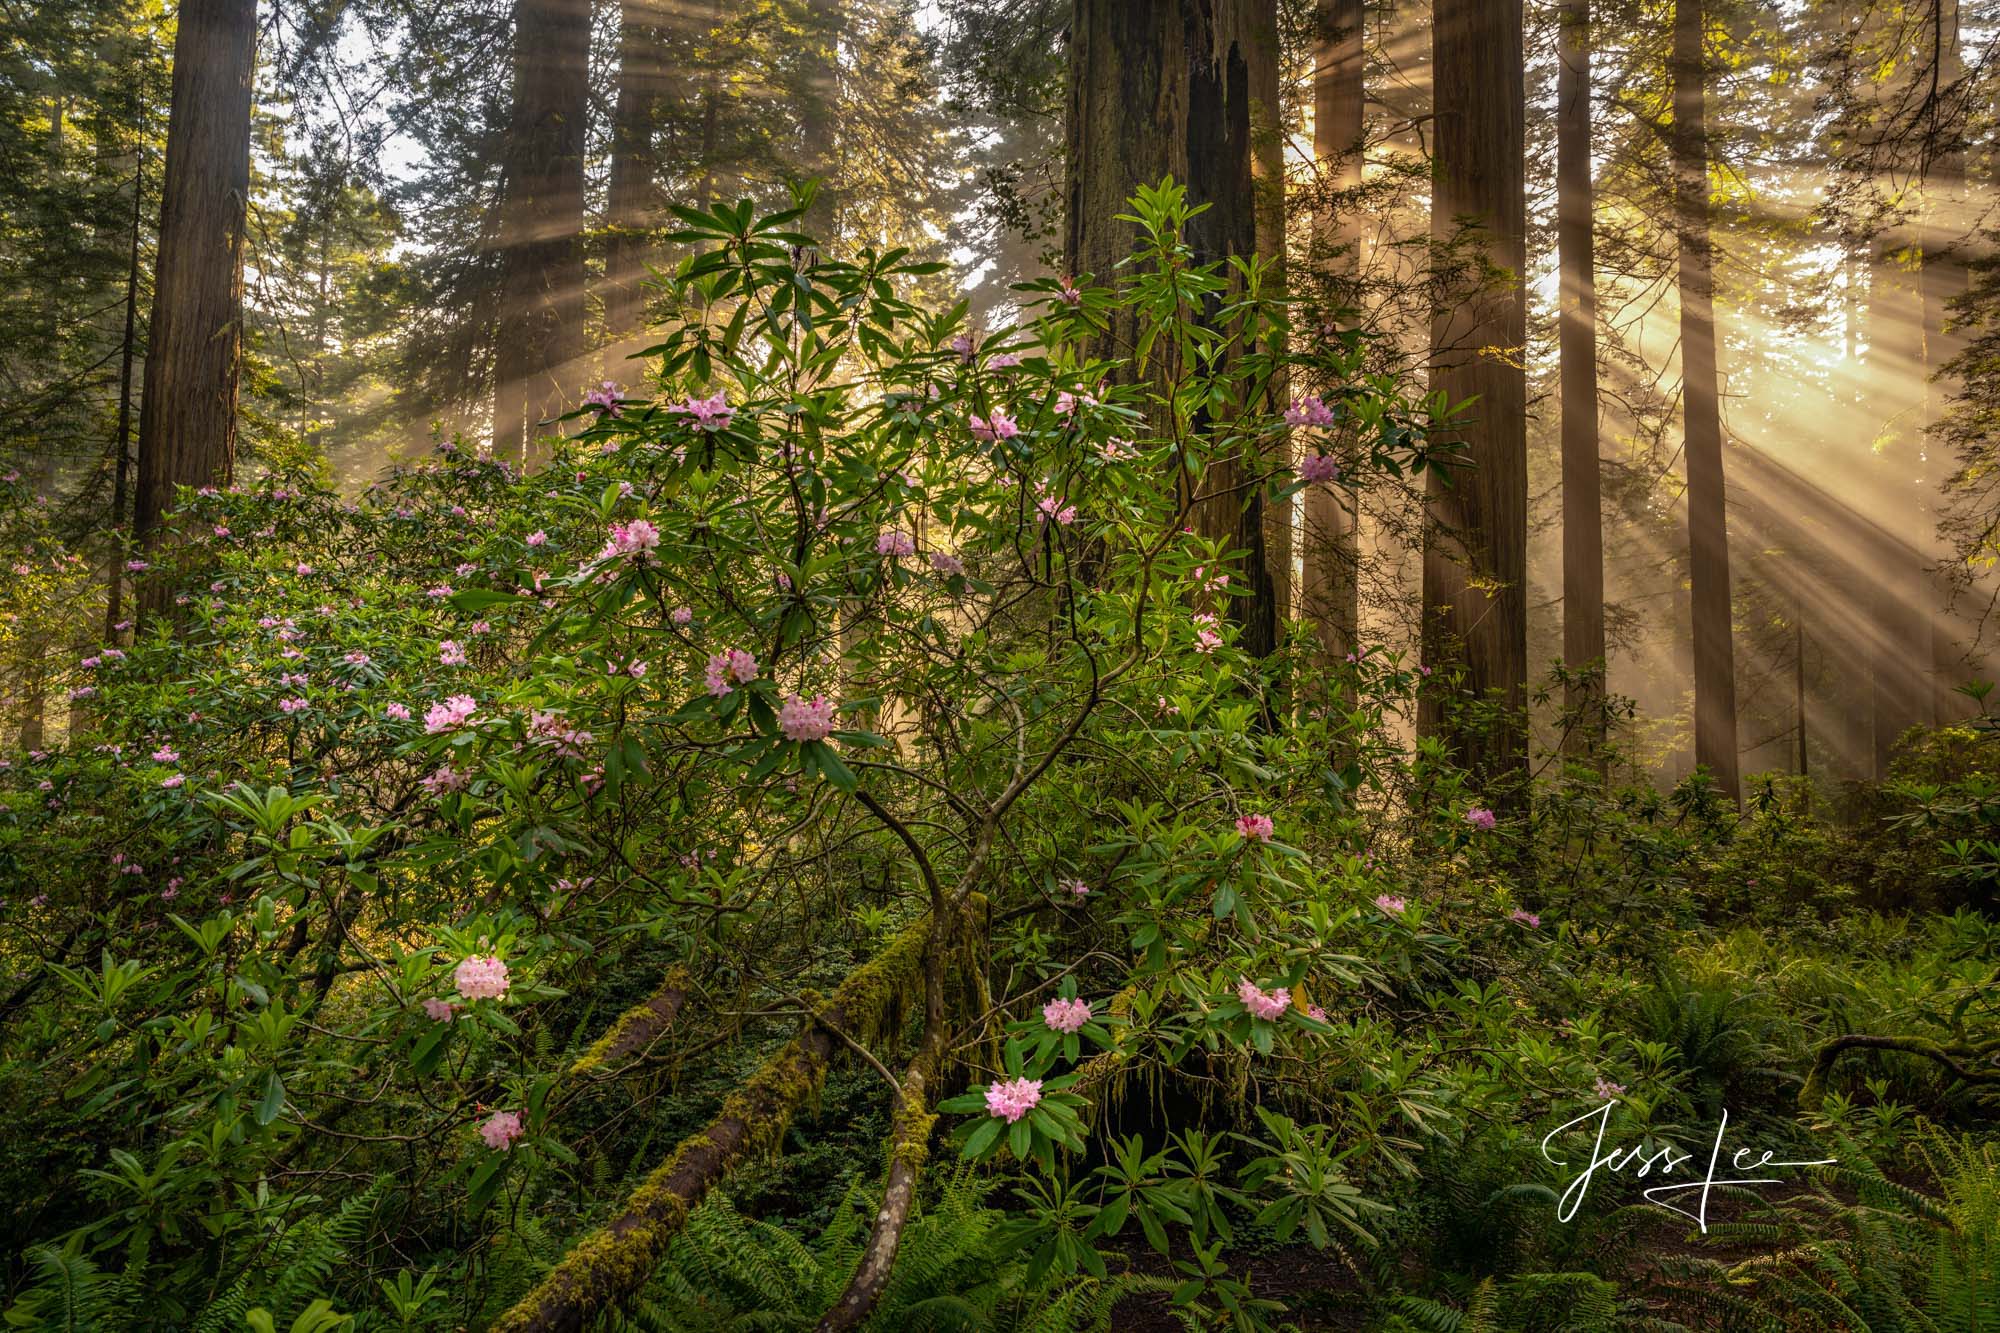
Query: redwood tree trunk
{"type": "Point", "coordinates": [632, 197]}
{"type": "Point", "coordinates": [1476, 542]}
{"type": "Point", "coordinates": [1187, 88]}
{"type": "Point", "coordinates": [1331, 558]}
{"type": "Point", "coordinates": [1708, 533]}
{"type": "Point", "coordinates": [187, 414]}
{"type": "Point", "coordinates": [541, 225]}
{"type": "Point", "coordinates": [1583, 519]}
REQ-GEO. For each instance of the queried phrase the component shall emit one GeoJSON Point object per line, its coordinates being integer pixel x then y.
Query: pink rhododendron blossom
{"type": "Point", "coordinates": [1480, 817]}
{"type": "Point", "coordinates": [1309, 411]}
{"type": "Point", "coordinates": [605, 398]}
{"type": "Point", "coordinates": [963, 345]}
{"type": "Point", "coordinates": [1316, 468]}
{"type": "Point", "coordinates": [1066, 1016]}
{"type": "Point", "coordinates": [439, 1011]}
{"type": "Point", "coordinates": [682, 615]}
{"type": "Point", "coordinates": [1068, 294]}
{"type": "Point", "coordinates": [1076, 887]}
{"type": "Point", "coordinates": [1207, 641]}
{"type": "Point", "coordinates": [1316, 1013]}
{"type": "Point", "coordinates": [1525, 918]}
{"type": "Point", "coordinates": [400, 712]}
{"type": "Point", "coordinates": [1010, 1099]}
{"type": "Point", "coordinates": [1257, 828]}
{"type": "Point", "coordinates": [633, 539]}
{"type": "Point", "coordinates": [358, 659]}
{"type": "Point", "coordinates": [1391, 904]}
{"type": "Point", "coordinates": [999, 427]}
{"type": "Point", "coordinates": [948, 565]}
{"type": "Point", "coordinates": [501, 1130]}
{"type": "Point", "coordinates": [446, 779]}
{"type": "Point", "coordinates": [1269, 1006]}
{"type": "Point", "coordinates": [438, 593]}
{"type": "Point", "coordinates": [291, 705]}
{"type": "Point", "coordinates": [894, 544]}
{"type": "Point", "coordinates": [1606, 1089]}
{"type": "Point", "coordinates": [1053, 508]}
{"type": "Point", "coordinates": [730, 665]}
{"type": "Point", "coordinates": [1003, 361]}
{"type": "Point", "coordinates": [480, 978]}
{"type": "Point", "coordinates": [538, 538]}
{"type": "Point", "coordinates": [136, 566]}
{"type": "Point", "coordinates": [174, 781]}
{"type": "Point", "coordinates": [165, 755]}
{"type": "Point", "coordinates": [451, 653]}
{"type": "Point", "coordinates": [453, 713]}
{"type": "Point", "coordinates": [801, 720]}
{"type": "Point", "coordinates": [706, 413]}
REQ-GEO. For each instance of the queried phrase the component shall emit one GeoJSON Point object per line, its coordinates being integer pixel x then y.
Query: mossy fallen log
{"type": "Point", "coordinates": [612, 1263]}
{"type": "Point", "coordinates": [638, 1027]}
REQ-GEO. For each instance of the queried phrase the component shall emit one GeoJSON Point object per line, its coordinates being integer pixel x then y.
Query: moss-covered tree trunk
{"type": "Point", "coordinates": [1476, 529]}
{"type": "Point", "coordinates": [1701, 407]}
{"type": "Point", "coordinates": [540, 335]}
{"type": "Point", "coordinates": [187, 415]}
{"type": "Point", "coordinates": [1187, 88]}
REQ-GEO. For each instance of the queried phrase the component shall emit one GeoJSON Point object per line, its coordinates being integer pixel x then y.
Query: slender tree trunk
{"type": "Point", "coordinates": [541, 342]}
{"type": "Point", "coordinates": [187, 414]}
{"type": "Point", "coordinates": [1799, 677]}
{"type": "Point", "coordinates": [632, 198]}
{"type": "Point", "coordinates": [818, 151]}
{"type": "Point", "coordinates": [1331, 558]}
{"type": "Point", "coordinates": [1476, 542]}
{"type": "Point", "coordinates": [1944, 277]}
{"type": "Point", "coordinates": [1187, 88]}
{"type": "Point", "coordinates": [1583, 517]}
{"type": "Point", "coordinates": [121, 467]}
{"type": "Point", "coordinates": [1708, 532]}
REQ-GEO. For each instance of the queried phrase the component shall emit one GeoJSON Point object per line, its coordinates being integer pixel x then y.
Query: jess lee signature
{"type": "Point", "coordinates": [1665, 1161]}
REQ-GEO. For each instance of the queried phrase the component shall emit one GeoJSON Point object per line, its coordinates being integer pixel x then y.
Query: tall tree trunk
{"type": "Point", "coordinates": [817, 149]}
{"type": "Point", "coordinates": [121, 467]}
{"type": "Point", "coordinates": [541, 225]}
{"type": "Point", "coordinates": [1583, 517]}
{"type": "Point", "coordinates": [1476, 538]}
{"type": "Point", "coordinates": [1708, 532]}
{"type": "Point", "coordinates": [1187, 88]}
{"type": "Point", "coordinates": [187, 415]}
{"type": "Point", "coordinates": [1331, 558]}
{"type": "Point", "coordinates": [1944, 277]}
{"type": "Point", "coordinates": [632, 197]}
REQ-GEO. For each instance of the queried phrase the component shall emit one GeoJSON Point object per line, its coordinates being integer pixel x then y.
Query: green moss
{"type": "Point", "coordinates": [639, 1014]}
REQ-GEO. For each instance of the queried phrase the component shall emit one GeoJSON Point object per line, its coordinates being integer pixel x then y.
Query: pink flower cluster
{"type": "Point", "coordinates": [731, 664]}
{"type": "Point", "coordinates": [453, 713]}
{"type": "Point", "coordinates": [480, 978]}
{"type": "Point", "coordinates": [1257, 828]}
{"type": "Point", "coordinates": [446, 779]}
{"type": "Point", "coordinates": [1316, 468]}
{"type": "Point", "coordinates": [999, 427]}
{"type": "Point", "coordinates": [706, 413]}
{"type": "Point", "coordinates": [947, 565]}
{"type": "Point", "coordinates": [1391, 904]}
{"type": "Point", "coordinates": [801, 720]}
{"type": "Point", "coordinates": [1066, 1015]}
{"type": "Point", "coordinates": [1053, 508]}
{"type": "Point", "coordinates": [1480, 817]}
{"type": "Point", "coordinates": [631, 539]}
{"type": "Point", "coordinates": [291, 705]}
{"type": "Point", "coordinates": [501, 1130]}
{"type": "Point", "coordinates": [1309, 411]}
{"type": "Point", "coordinates": [439, 1011]}
{"type": "Point", "coordinates": [894, 544]}
{"type": "Point", "coordinates": [605, 397]}
{"type": "Point", "coordinates": [451, 653]}
{"type": "Point", "coordinates": [1010, 1099]}
{"type": "Point", "coordinates": [1269, 1006]}
{"type": "Point", "coordinates": [1525, 918]}
{"type": "Point", "coordinates": [549, 729]}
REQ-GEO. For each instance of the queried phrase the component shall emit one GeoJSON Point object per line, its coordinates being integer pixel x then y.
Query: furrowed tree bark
{"type": "Point", "coordinates": [1476, 543]}
{"type": "Point", "coordinates": [1708, 530]}
{"type": "Point", "coordinates": [1583, 517]}
{"type": "Point", "coordinates": [187, 415]}
{"type": "Point", "coordinates": [1187, 88]}
{"type": "Point", "coordinates": [1943, 278]}
{"type": "Point", "coordinates": [1331, 566]}
{"type": "Point", "coordinates": [541, 225]}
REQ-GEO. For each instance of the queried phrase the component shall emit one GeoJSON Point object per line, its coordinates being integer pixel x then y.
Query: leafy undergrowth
{"type": "Point", "coordinates": [574, 895]}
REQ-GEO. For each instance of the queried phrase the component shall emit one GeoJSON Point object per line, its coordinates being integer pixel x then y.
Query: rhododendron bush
{"type": "Point", "coordinates": [853, 690]}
